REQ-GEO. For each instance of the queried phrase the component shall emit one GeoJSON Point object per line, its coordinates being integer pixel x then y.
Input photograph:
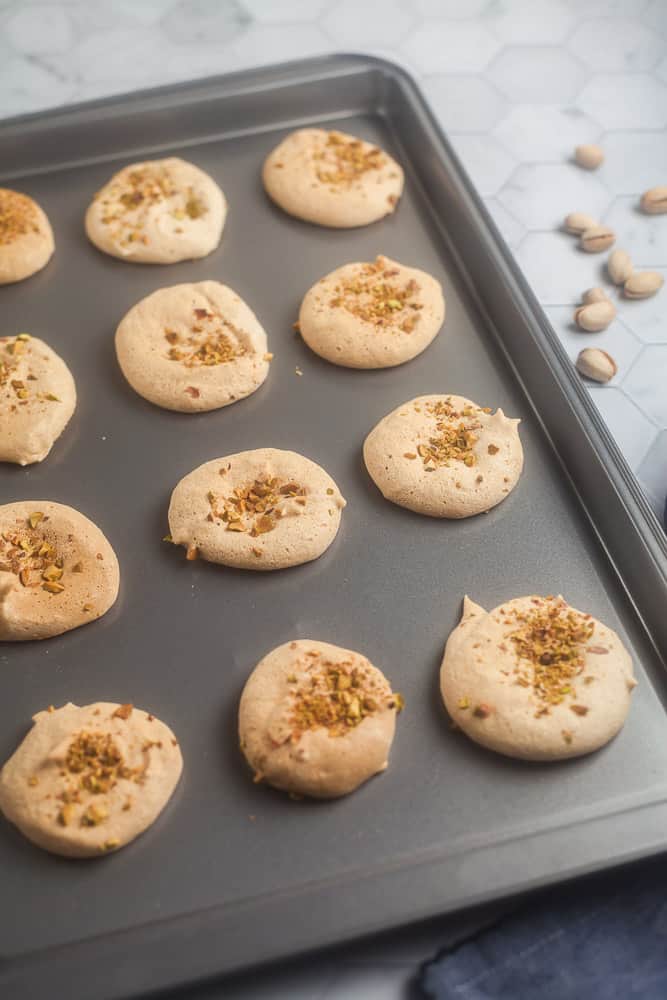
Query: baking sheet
{"type": "Point", "coordinates": [234, 873]}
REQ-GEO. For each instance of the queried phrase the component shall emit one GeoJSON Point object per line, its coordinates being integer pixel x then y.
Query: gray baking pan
{"type": "Point", "coordinates": [233, 873]}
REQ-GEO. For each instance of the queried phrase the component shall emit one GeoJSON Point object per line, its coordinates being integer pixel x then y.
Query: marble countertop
{"type": "Point", "coordinates": [516, 84]}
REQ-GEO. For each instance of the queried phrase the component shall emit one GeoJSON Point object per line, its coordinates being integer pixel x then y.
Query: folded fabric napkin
{"type": "Point", "coordinates": [603, 938]}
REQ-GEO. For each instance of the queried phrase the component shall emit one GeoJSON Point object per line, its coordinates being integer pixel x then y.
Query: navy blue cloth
{"type": "Point", "coordinates": [601, 939]}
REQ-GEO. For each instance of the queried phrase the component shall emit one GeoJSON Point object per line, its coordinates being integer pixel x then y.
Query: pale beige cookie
{"type": "Point", "coordinates": [157, 212]}
{"type": "Point", "coordinates": [86, 781]}
{"type": "Point", "coordinates": [37, 399]}
{"type": "Point", "coordinates": [535, 678]}
{"type": "Point", "coordinates": [332, 179]}
{"type": "Point", "coordinates": [444, 456]}
{"type": "Point", "coordinates": [262, 509]}
{"type": "Point", "coordinates": [192, 347]}
{"type": "Point", "coordinates": [26, 237]}
{"type": "Point", "coordinates": [57, 570]}
{"type": "Point", "coordinates": [372, 315]}
{"type": "Point", "coordinates": [316, 719]}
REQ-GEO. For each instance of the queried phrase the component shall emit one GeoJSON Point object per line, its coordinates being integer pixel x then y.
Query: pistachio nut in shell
{"type": "Point", "coordinates": [654, 201]}
{"type": "Point", "coordinates": [596, 316]}
{"type": "Point", "coordinates": [594, 295]}
{"type": "Point", "coordinates": [588, 156]}
{"type": "Point", "coordinates": [596, 364]}
{"type": "Point", "coordinates": [643, 284]}
{"type": "Point", "coordinates": [578, 222]}
{"type": "Point", "coordinates": [597, 238]}
{"type": "Point", "coordinates": [619, 266]}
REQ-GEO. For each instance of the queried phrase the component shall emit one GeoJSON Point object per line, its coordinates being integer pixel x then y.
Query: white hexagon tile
{"type": "Point", "coordinates": [489, 165]}
{"type": "Point", "coordinates": [625, 100]}
{"type": "Point", "coordinates": [461, 46]}
{"type": "Point", "coordinates": [532, 22]}
{"type": "Point", "coordinates": [465, 103]}
{"type": "Point", "coordinates": [540, 74]}
{"type": "Point", "coordinates": [618, 45]}
{"type": "Point", "coordinates": [556, 268]}
{"type": "Point", "coordinates": [515, 83]}
{"type": "Point", "coordinates": [643, 236]}
{"type": "Point", "coordinates": [634, 158]}
{"type": "Point", "coordinates": [538, 133]}
{"type": "Point", "coordinates": [541, 194]}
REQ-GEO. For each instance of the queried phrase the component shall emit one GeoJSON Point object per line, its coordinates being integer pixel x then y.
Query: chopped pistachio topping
{"type": "Point", "coordinates": [128, 202]}
{"type": "Point", "coordinates": [454, 435]}
{"type": "Point", "coordinates": [374, 297]}
{"type": "Point", "coordinates": [123, 711]}
{"type": "Point", "coordinates": [93, 766]}
{"type": "Point", "coordinates": [257, 508]}
{"type": "Point", "coordinates": [94, 814]}
{"type": "Point", "coordinates": [98, 762]}
{"type": "Point", "coordinates": [10, 352]}
{"type": "Point", "coordinates": [5, 371]}
{"type": "Point", "coordinates": [343, 160]}
{"type": "Point", "coordinates": [194, 207]}
{"type": "Point", "coordinates": [550, 643]}
{"type": "Point", "coordinates": [26, 552]}
{"type": "Point", "coordinates": [18, 216]}
{"type": "Point", "coordinates": [482, 711]}
{"type": "Point", "coordinates": [210, 340]}
{"type": "Point", "coordinates": [16, 377]}
{"type": "Point", "coordinates": [66, 814]}
{"type": "Point", "coordinates": [337, 697]}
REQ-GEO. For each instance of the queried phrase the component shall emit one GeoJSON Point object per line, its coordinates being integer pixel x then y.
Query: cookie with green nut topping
{"type": "Point", "coordinates": [87, 781]}
{"type": "Point", "coordinates": [444, 456]}
{"type": "Point", "coordinates": [193, 347]}
{"type": "Point", "coordinates": [157, 212]}
{"type": "Point", "coordinates": [26, 237]}
{"type": "Point", "coordinates": [374, 314]}
{"type": "Point", "coordinates": [264, 509]}
{"type": "Point", "coordinates": [37, 398]}
{"type": "Point", "coordinates": [316, 719]}
{"type": "Point", "coordinates": [332, 178]}
{"type": "Point", "coordinates": [536, 678]}
{"type": "Point", "coordinates": [57, 570]}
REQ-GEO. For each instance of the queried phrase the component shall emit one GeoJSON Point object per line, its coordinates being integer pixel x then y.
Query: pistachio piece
{"type": "Point", "coordinates": [597, 238]}
{"type": "Point", "coordinates": [594, 295]}
{"type": "Point", "coordinates": [619, 266]}
{"type": "Point", "coordinates": [595, 316]}
{"type": "Point", "coordinates": [482, 711]}
{"type": "Point", "coordinates": [578, 222]}
{"type": "Point", "coordinates": [588, 156]}
{"type": "Point", "coordinates": [596, 364]}
{"type": "Point", "coordinates": [643, 284]}
{"type": "Point", "coordinates": [654, 201]}
{"type": "Point", "coordinates": [95, 814]}
{"type": "Point", "coordinates": [66, 814]}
